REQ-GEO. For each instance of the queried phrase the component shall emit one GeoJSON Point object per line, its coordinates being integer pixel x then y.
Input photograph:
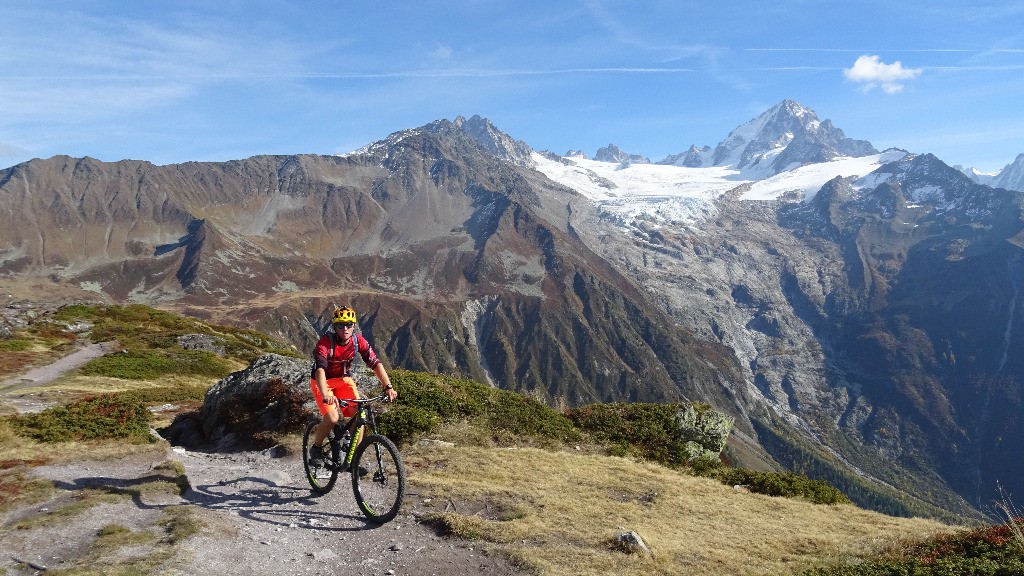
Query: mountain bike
{"type": "Point", "coordinates": [376, 467]}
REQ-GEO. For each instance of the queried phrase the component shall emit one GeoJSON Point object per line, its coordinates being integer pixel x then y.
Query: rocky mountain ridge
{"type": "Point", "coordinates": [1011, 176]}
{"type": "Point", "coordinates": [865, 335]}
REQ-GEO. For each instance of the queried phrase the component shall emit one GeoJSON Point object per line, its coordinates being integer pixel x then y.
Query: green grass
{"type": "Point", "coordinates": [180, 522]}
{"type": "Point", "coordinates": [18, 489]}
{"type": "Point", "coordinates": [15, 345]}
{"type": "Point", "coordinates": [114, 536]}
{"type": "Point", "coordinates": [145, 364]}
{"type": "Point", "coordinates": [110, 416]}
{"type": "Point", "coordinates": [137, 327]}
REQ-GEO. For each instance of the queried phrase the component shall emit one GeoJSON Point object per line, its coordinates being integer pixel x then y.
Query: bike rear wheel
{"type": "Point", "coordinates": [378, 479]}
{"type": "Point", "coordinates": [322, 477]}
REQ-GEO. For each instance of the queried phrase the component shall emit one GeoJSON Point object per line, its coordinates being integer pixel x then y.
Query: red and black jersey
{"type": "Point", "coordinates": [337, 359]}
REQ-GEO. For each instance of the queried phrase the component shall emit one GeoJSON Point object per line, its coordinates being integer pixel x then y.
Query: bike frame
{"type": "Point", "coordinates": [365, 416]}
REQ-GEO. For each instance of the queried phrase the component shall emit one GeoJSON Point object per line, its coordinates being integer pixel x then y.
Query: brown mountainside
{"type": "Point", "coordinates": [445, 250]}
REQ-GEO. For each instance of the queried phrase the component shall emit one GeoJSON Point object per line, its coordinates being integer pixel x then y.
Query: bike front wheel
{"type": "Point", "coordinates": [378, 479]}
{"type": "Point", "coordinates": [324, 474]}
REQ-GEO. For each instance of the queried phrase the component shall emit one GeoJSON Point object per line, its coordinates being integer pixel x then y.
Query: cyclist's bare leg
{"type": "Point", "coordinates": [327, 421]}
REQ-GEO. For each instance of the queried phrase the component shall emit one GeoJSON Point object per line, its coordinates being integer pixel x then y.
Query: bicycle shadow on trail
{"type": "Point", "coordinates": [250, 497]}
{"type": "Point", "coordinates": [263, 500]}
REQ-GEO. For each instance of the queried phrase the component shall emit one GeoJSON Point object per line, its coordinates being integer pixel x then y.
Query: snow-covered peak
{"type": "Point", "coordinates": [486, 135]}
{"type": "Point", "coordinates": [692, 158]}
{"type": "Point", "coordinates": [1011, 176]}
{"type": "Point", "coordinates": [784, 137]}
{"type": "Point", "coordinates": [493, 140]}
{"type": "Point", "coordinates": [977, 175]}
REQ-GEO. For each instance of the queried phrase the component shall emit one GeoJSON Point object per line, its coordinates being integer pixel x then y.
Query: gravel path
{"type": "Point", "coordinates": [282, 527]}
{"type": "Point", "coordinates": [259, 516]}
{"type": "Point", "coordinates": [50, 372]}
{"type": "Point", "coordinates": [41, 375]}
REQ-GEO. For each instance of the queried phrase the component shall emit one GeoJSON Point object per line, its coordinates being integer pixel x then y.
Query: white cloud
{"type": "Point", "coordinates": [870, 72]}
{"type": "Point", "coordinates": [11, 150]}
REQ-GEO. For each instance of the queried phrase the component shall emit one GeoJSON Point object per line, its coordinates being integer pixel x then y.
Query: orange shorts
{"type": "Point", "coordinates": [343, 388]}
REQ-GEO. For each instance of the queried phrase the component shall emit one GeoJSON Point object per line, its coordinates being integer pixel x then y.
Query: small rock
{"type": "Point", "coordinates": [325, 555]}
{"type": "Point", "coordinates": [429, 443]}
{"type": "Point", "coordinates": [632, 543]}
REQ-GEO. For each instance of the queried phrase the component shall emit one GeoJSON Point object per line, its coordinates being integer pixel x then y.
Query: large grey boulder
{"type": "Point", "coordinates": [704, 431]}
{"type": "Point", "coordinates": [268, 395]}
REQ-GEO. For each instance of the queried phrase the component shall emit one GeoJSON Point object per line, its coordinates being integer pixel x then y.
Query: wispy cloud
{"type": "Point", "coordinates": [870, 72]}
{"type": "Point", "coordinates": [425, 73]}
{"type": "Point", "coordinates": [11, 150]}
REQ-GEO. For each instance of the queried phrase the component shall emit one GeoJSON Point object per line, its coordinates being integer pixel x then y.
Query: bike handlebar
{"type": "Point", "coordinates": [358, 401]}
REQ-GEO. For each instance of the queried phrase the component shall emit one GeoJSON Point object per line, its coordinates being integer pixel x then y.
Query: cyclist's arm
{"type": "Point", "coordinates": [385, 380]}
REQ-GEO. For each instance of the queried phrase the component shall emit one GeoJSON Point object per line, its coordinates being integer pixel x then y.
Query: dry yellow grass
{"type": "Point", "coordinates": [558, 512]}
{"type": "Point", "coordinates": [78, 384]}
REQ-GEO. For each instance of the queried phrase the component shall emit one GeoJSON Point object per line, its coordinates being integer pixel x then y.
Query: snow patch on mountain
{"type": "Point", "coordinates": [684, 194]}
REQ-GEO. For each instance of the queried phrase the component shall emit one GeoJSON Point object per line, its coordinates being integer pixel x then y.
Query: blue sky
{"type": "Point", "coordinates": [220, 80]}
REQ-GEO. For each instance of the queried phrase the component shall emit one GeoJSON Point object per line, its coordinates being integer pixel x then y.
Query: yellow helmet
{"type": "Point", "coordinates": [344, 315]}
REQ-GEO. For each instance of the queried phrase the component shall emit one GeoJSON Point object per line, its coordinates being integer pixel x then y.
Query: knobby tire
{"type": "Point", "coordinates": [380, 489]}
{"type": "Point", "coordinates": [321, 478]}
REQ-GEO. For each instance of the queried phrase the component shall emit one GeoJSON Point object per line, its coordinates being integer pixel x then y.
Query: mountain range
{"type": "Point", "coordinates": [1010, 177]}
{"type": "Point", "coordinates": [856, 310]}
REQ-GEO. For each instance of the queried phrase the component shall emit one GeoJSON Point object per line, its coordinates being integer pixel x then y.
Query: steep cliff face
{"type": "Point", "coordinates": [877, 319]}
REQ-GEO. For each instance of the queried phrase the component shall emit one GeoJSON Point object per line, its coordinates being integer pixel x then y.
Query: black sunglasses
{"type": "Point", "coordinates": [343, 324]}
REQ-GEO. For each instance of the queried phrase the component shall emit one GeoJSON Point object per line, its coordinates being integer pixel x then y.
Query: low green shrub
{"type": "Point", "coordinates": [402, 423]}
{"type": "Point", "coordinates": [525, 415]}
{"type": "Point", "coordinates": [432, 399]}
{"type": "Point", "coordinates": [449, 398]}
{"type": "Point", "coordinates": [786, 484]}
{"type": "Point", "coordinates": [651, 431]}
{"type": "Point", "coordinates": [99, 417]}
{"type": "Point", "coordinates": [153, 364]}
{"type": "Point", "coordinates": [139, 327]}
{"type": "Point", "coordinates": [14, 345]}
{"type": "Point", "coordinates": [74, 312]}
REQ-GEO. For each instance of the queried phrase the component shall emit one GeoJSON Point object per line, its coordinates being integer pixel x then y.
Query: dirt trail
{"type": "Point", "coordinates": [46, 374]}
{"type": "Point", "coordinates": [260, 518]}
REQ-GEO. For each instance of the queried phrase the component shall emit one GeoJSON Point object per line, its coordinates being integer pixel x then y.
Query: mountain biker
{"type": "Point", "coordinates": [331, 380]}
